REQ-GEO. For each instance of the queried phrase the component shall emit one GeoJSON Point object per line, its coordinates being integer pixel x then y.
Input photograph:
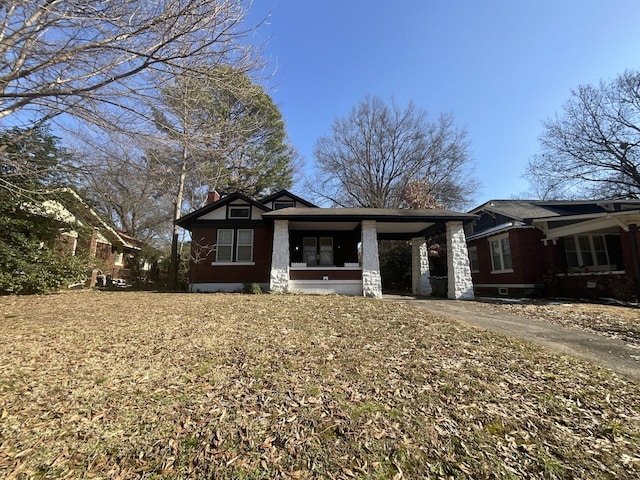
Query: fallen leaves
{"type": "Point", "coordinates": [147, 385]}
{"type": "Point", "coordinates": [618, 322]}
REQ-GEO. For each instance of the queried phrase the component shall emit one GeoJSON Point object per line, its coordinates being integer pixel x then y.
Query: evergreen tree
{"type": "Point", "coordinates": [29, 262]}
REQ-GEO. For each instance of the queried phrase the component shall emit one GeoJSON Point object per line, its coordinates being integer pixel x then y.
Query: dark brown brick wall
{"type": "Point", "coordinates": [526, 256]}
{"type": "Point", "coordinates": [534, 262]}
{"type": "Point", "coordinates": [204, 272]}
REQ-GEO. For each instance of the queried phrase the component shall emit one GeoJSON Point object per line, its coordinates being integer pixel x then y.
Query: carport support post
{"type": "Point", "coordinates": [460, 283]}
{"type": "Point", "coordinates": [371, 280]}
{"type": "Point", "coordinates": [280, 258]}
{"type": "Point", "coordinates": [421, 283]}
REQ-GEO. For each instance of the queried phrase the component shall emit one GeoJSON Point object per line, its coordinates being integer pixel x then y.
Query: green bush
{"type": "Point", "coordinates": [29, 267]}
{"type": "Point", "coordinates": [42, 271]}
{"type": "Point", "coordinates": [252, 288]}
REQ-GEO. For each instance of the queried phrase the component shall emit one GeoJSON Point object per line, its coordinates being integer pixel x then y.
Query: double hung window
{"type": "Point", "coordinates": [244, 246]}
{"type": "Point", "coordinates": [225, 245]}
{"type": "Point", "coordinates": [234, 245]}
{"type": "Point", "coordinates": [501, 254]}
{"type": "Point", "coordinates": [473, 259]}
{"type": "Point", "coordinates": [586, 251]}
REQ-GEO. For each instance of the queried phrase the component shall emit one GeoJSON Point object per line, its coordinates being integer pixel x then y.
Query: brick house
{"type": "Point", "coordinates": [286, 244]}
{"type": "Point", "coordinates": [86, 233]}
{"type": "Point", "coordinates": [578, 249]}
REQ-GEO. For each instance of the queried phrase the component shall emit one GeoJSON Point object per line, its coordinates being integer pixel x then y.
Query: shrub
{"type": "Point", "coordinates": [252, 288]}
{"type": "Point", "coordinates": [28, 267]}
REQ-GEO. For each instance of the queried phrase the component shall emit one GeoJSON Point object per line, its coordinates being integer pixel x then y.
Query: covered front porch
{"type": "Point", "coordinates": [335, 250]}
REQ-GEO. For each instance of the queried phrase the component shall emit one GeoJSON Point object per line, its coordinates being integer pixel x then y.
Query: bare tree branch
{"type": "Point", "coordinates": [372, 155]}
{"type": "Point", "coordinates": [56, 55]}
{"type": "Point", "coordinates": [592, 149]}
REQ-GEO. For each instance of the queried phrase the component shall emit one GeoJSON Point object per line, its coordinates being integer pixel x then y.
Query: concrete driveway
{"type": "Point", "coordinates": [616, 355]}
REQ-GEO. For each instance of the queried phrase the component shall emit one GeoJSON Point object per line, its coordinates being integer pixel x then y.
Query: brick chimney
{"type": "Point", "coordinates": [212, 197]}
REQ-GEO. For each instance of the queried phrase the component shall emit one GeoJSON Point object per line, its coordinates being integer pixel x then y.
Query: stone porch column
{"type": "Point", "coordinates": [280, 257]}
{"type": "Point", "coordinates": [460, 283]}
{"type": "Point", "coordinates": [371, 280]}
{"type": "Point", "coordinates": [421, 283]}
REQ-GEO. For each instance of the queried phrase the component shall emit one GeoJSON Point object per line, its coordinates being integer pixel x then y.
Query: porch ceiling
{"type": "Point", "coordinates": [341, 226]}
{"type": "Point", "coordinates": [383, 228]}
{"type": "Point", "coordinates": [389, 222]}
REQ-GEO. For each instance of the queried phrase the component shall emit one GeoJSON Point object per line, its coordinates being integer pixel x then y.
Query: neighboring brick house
{"type": "Point", "coordinates": [88, 234]}
{"type": "Point", "coordinates": [286, 244]}
{"type": "Point", "coordinates": [578, 249]}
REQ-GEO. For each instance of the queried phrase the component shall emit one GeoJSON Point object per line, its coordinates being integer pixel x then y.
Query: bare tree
{"type": "Point", "coordinates": [125, 186]}
{"type": "Point", "coordinates": [91, 60]}
{"type": "Point", "coordinates": [373, 154]}
{"type": "Point", "coordinates": [592, 148]}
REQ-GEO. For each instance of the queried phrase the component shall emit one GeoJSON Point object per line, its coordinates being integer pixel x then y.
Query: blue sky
{"type": "Point", "coordinates": [501, 67]}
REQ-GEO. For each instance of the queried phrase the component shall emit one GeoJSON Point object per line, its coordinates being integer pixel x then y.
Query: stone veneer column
{"type": "Point", "coordinates": [421, 283]}
{"type": "Point", "coordinates": [460, 283]}
{"type": "Point", "coordinates": [371, 280]}
{"type": "Point", "coordinates": [280, 257]}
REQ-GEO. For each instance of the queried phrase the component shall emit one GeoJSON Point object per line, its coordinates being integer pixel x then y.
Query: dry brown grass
{"type": "Point", "coordinates": [147, 385]}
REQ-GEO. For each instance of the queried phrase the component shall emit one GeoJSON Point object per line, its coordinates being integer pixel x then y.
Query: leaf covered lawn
{"type": "Point", "coordinates": [613, 321]}
{"type": "Point", "coordinates": [149, 385]}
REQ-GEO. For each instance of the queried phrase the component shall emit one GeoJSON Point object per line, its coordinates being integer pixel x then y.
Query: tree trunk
{"type": "Point", "coordinates": [177, 213]}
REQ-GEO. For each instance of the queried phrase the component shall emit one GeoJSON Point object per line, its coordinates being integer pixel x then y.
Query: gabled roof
{"type": "Point", "coordinates": [529, 210]}
{"type": "Point", "coordinates": [68, 207]}
{"type": "Point", "coordinates": [188, 219]}
{"type": "Point", "coordinates": [516, 209]}
{"type": "Point", "coordinates": [287, 193]}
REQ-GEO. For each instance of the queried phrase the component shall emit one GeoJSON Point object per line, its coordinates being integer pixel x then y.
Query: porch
{"type": "Point", "coordinates": [335, 250]}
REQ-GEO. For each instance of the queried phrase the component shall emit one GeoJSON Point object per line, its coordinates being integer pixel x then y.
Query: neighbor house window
{"type": "Point", "coordinates": [283, 204]}
{"type": "Point", "coordinates": [501, 254]}
{"type": "Point", "coordinates": [586, 251]}
{"type": "Point", "coordinates": [225, 245]}
{"type": "Point", "coordinates": [473, 259]}
{"type": "Point", "coordinates": [234, 245]}
{"type": "Point", "coordinates": [119, 258]}
{"type": "Point", "coordinates": [239, 212]}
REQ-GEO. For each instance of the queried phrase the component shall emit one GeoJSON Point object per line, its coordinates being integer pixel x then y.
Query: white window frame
{"type": "Point", "coordinates": [238, 245]}
{"type": "Point", "coordinates": [240, 208]}
{"type": "Point", "coordinates": [502, 268]}
{"type": "Point", "coordinates": [592, 250]}
{"type": "Point", "coordinates": [473, 254]}
{"type": "Point", "coordinates": [278, 204]}
{"type": "Point", "coordinates": [220, 244]}
{"type": "Point", "coordinates": [234, 247]}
